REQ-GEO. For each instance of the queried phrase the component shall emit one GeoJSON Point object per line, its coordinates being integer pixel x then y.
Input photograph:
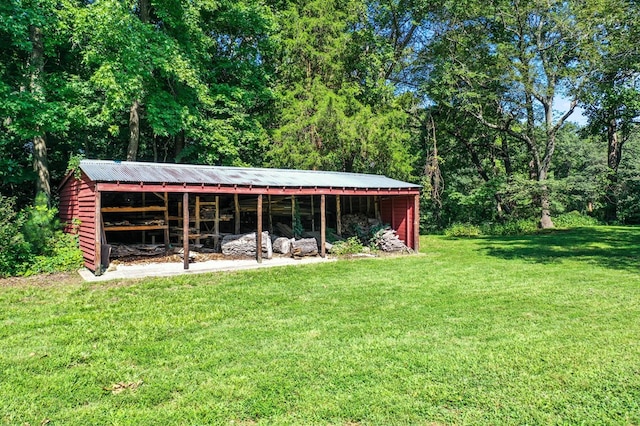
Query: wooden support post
{"type": "Point", "coordinates": [368, 205]}
{"type": "Point", "coordinates": [259, 232]}
{"type": "Point", "coordinates": [293, 214]}
{"type": "Point", "coordinates": [313, 216]}
{"type": "Point", "coordinates": [338, 217]}
{"type": "Point", "coordinates": [98, 235]}
{"type": "Point", "coordinates": [185, 229]}
{"type": "Point", "coordinates": [270, 215]}
{"type": "Point", "coordinates": [416, 223]}
{"type": "Point", "coordinates": [376, 207]}
{"type": "Point", "coordinates": [350, 204]}
{"type": "Point", "coordinates": [360, 205]}
{"type": "Point", "coordinates": [197, 212]}
{"type": "Point", "coordinates": [216, 224]}
{"type": "Point", "coordinates": [323, 227]}
{"type": "Point", "coordinates": [166, 222]}
{"type": "Point", "coordinates": [237, 215]}
{"type": "Point", "coordinates": [144, 214]}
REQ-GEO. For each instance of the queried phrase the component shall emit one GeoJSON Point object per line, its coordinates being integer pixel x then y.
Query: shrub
{"type": "Point", "coordinates": [574, 219]}
{"type": "Point", "coordinates": [511, 227]}
{"type": "Point", "coordinates": [458, 230]}
{"type": "Point", "coordinates": [32, 241]}
{"type": "Point", "coordinates": [64, 255]}
{"type": "Point", "coordinates": [14, 250]}
{"type": "Point", "coordinates": [349, 246]}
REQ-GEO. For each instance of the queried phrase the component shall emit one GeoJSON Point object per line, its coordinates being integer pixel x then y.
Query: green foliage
{"type": "Point", "coordinates": [14, 250]}
{"type": "Point", "coordinates": [62, 255]}
{"type": "Point", "coordinates": [40, 226]}
{"type": "Point", "coordinates": [574, 219]}
{"type": "Point", "coordinates": [351, 245]}
{"type": "Point", "coordinates": [462, 230]}
{"type": "Point", "coordinates": [511, 227]}
{"type": "Point", "coordinates": [32, 242]}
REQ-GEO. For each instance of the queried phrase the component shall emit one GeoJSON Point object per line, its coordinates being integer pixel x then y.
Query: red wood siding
{"type": "Point", "coordinates": [77, 201]}
{"type": "Point", "coordinates": [399, 212]}
{"type": "Point", "coordinates": [68, 208]}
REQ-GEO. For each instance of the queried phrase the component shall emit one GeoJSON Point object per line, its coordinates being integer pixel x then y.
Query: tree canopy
{"type": "Point", "coordinates": [463, 97]}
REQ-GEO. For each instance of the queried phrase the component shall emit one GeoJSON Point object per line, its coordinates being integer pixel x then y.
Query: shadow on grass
{"type": "Point", "coordinates": [611, 247]}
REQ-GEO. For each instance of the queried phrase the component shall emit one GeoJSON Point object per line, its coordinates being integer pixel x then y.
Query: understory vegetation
{"type": "Point", "coordinates": [535, 329]}
{"type": "Point", "coordinates": [32, 241]}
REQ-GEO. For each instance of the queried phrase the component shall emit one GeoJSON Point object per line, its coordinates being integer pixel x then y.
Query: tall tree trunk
{"type": "Point", "coordinates": [134, 131]}
{"type": "Point", "coordinates": [40, 161]}
{"type": "Point", "coordinates": [614, 148]}
{"type": "Point", "coordinates": [545, 218]}
{"type": "Point", "coordinates": [179, 145]}
{"type": "Point", "coordinates": [144, 11]}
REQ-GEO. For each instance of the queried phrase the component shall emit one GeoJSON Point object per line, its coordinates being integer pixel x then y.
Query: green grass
{"type": "Point", "coordinates": [541, 329]}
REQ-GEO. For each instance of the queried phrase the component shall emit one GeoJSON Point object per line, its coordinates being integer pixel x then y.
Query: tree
{"type": "Point", "coordinates": [612, 94]}
{"type": "Point", "coordinates": [504, 64]}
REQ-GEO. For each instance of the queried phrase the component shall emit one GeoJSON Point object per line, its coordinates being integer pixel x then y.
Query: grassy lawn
{"type": "Point", "coordinates": [540, 329]}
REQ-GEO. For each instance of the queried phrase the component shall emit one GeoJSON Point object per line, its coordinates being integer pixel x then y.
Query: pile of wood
{"type": "Point", "coordinates": [245, 245]}
{"type": "Point", "coordinates": [127, 250]}
{"type": "Point", "coordinates": [304, 247]}
{"type": "Point", "coordinates": [388, 241]}
{"type": "Point", "coordinates": [283, 230]}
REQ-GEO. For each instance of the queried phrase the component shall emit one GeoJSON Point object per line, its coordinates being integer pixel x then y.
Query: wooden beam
{"type": "Point", "coordinates": [216, 224]}
{"type": "Point", "coordinates": [259, 232]}
{"type": "Point", "coordinates": [166, 222]}
{"type": "Point", "coordinates": [323, 227]}
{"type": "Point", "coordinates": [416, 223]}
{"type": "Point", "coordinates": [185, 229]}
{"type": "Point", "coordinates": [270, 215]}
{"type": "Point", "coordinates": [293, 214]}
{"type": "Point", "coordinates": [313, 216]}
{"type": "Point", "coordinates": [237, 213]}
{"type": "Point", "coordinates": [211, 189]}
{"type": "Point", "coordinates": [338, 217]}
{"type": "Point", "coordinates": [98, 235]}
{"type": "Point", "coordinates": [197, 212]}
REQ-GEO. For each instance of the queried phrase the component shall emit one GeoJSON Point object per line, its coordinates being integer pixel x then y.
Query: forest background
{"type": "Point", "coordinates": [460, 96]}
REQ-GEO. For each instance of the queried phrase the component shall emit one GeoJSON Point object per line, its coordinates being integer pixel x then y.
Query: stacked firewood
{"type": "Point", "coordinates": [387, 240]}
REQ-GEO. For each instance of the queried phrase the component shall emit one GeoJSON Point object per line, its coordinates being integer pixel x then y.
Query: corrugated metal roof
{"type": "Point", "coordinates": [131, 171]}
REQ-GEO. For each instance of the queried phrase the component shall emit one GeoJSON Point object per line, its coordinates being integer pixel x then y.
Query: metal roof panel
{"type": "Point", "coordinates": [131, 171]}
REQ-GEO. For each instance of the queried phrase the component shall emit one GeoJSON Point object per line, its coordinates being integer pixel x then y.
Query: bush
{"type": "Point", "coordinates": [14, 250]}
{"type": "Point", "coordinates": [458, 230]}
{"type": "Point", "coordinates": [32, 241]}
{"type": "Point", "coordinates": [511, 227]}
{"type": "Point", "coordinates": [574, 219]}
{"type": "Point", "coordinates": [348, 246]}
{"type": "Point", "coordinates": [64, 255]}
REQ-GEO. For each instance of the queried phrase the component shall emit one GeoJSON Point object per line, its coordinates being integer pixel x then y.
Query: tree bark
{"type": "Point", "coordinates": [614, 148]}
{"type": "Point", "coordinates": [134, 131]}
{"type": "Point", "coordinates": [40, 159]}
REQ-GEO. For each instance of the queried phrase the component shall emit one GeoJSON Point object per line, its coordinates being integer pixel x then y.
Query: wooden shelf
{"type": "Point", "coordinates": [133, 209]}
{"type": "Point", "coordinates": [135, 227]}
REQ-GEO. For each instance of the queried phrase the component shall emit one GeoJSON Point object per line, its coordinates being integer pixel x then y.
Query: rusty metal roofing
{"type": "Point", "coordinates": [130, 171]}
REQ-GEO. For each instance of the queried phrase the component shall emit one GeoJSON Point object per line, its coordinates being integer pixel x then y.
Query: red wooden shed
{"type": "Point", "coordinates": [159, 193]}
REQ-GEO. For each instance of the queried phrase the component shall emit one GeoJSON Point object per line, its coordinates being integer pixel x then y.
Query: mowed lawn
{"type": "Point", "coordinates": [541, 329]}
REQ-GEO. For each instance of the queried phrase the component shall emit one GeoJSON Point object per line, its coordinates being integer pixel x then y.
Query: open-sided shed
{"type": "Point", "coordinates": [158, 194]}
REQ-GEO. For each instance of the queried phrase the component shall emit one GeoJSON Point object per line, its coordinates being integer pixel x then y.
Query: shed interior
{"type": "Point", "coordinates": [142, 218]}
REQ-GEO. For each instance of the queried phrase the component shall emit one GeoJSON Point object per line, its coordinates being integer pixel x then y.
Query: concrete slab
{"type": "Point", "coordinates": [122, 271]}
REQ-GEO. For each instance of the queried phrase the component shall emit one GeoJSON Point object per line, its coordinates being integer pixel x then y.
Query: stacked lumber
{"type": "Point", "coordinates": [388, 241]}
{"type": "Point", "coordinates": [283, 230]}
{"type": "Point", "coordinates": [127, 250]}
{"type": "Point", "coordinates": [245, 245]}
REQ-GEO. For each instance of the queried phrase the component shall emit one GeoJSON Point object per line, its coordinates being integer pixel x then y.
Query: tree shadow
{"type": "Point", "coordinates": [610, 247]}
